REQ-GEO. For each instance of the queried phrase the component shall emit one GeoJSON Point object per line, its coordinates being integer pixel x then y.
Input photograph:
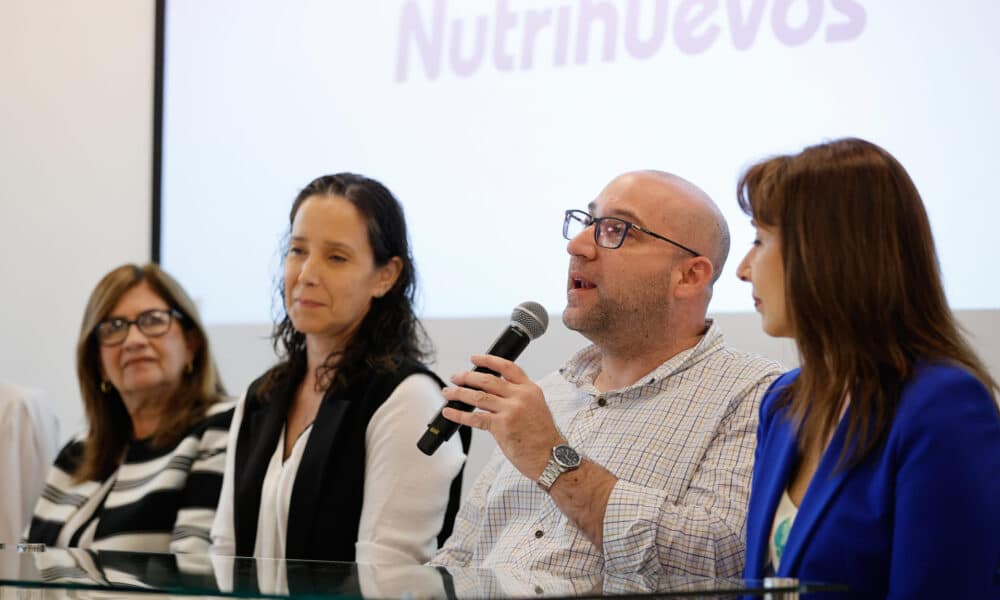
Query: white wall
{"type": "Point", "coordinates": [75, 169]}
{"type": "Point", "coordinates": [75, 165]}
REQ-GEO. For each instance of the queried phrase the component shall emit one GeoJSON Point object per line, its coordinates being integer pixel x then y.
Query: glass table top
{"type": "Point", "coordinates": [41, 572]}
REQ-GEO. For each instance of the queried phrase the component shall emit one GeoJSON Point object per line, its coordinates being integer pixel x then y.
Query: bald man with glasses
{"type": "Point", "coordinates": [636, 455]}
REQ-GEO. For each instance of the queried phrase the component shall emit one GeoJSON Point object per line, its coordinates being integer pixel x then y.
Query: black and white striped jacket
{"type": "Point", "coordinates": [158, 500]}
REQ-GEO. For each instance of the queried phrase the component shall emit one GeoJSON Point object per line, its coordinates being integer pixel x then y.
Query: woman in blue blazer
{"type": "Point", "coordinates": [878, 462]}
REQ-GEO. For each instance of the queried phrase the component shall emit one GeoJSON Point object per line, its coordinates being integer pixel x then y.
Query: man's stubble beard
{"type": "Point", "coordinates": [618, 325]}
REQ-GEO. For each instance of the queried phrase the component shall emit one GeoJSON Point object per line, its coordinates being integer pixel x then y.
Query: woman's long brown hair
{"type": "Point", "coordinates": [109, 428]}
{"type": "Point", "coordinates": [862, 283]}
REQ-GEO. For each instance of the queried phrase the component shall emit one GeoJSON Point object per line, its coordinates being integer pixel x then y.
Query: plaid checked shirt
{"type": "Point", "coordinates": [681, 443]}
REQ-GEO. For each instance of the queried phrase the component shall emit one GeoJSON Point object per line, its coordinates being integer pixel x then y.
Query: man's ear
{"type": "Point", "coordinates": [387, 276]}
{"type": "Point", "coordinates": [696, 274]}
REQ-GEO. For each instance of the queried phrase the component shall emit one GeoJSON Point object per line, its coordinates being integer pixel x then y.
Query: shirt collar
{"type": "Point", "coordinates": [583, 367]}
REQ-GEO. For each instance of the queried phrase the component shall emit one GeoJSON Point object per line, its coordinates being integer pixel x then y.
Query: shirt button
{"type": "Point", "coordinates": [539, 533]}
{"type": "Point", "coordinates": [539, 590]}
{"type": "Point", "coordinates": [601, 401]}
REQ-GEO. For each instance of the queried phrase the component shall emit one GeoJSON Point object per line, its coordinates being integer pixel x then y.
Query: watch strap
{"type": "Point", "coordinates": [552, 472]}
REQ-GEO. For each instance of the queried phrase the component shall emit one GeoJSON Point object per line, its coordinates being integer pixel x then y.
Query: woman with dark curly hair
{"type": "Point", "coordinates": [323, 461]}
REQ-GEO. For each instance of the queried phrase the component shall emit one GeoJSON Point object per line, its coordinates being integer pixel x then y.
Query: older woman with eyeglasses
{"type": "Point", "coordinates": [146, 474]}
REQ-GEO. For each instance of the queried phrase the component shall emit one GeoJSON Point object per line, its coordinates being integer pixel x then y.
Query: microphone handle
{"type": "Point", "coordinates": [509, 345]}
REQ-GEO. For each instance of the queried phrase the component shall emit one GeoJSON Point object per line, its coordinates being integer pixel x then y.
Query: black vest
{"type": "Point", "coordinates": [327, 497]}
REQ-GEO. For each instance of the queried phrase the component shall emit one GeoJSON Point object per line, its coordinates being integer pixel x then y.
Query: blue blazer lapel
{"type": "Point", "coordinates": [771, 474]}
{"type": "Point", "coordinates": [823, 488]}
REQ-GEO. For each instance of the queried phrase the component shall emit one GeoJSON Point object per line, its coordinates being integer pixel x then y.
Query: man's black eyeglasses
{"type": "Point", "coordinates": [609, 232]}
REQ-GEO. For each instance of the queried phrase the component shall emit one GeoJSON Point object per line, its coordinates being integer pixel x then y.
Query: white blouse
{"type": "Point", "coordinates": [29, 441]}
{"type": "Point", "coordinates": [275, 497]}
{"type": "Point", "coordinates": [405, 491]}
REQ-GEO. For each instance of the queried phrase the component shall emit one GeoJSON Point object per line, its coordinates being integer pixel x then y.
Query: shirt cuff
{"type": "Point", "coordinates": [631, 520]}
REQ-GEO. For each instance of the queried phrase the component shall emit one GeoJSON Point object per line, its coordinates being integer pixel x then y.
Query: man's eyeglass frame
{"type": "Point", "coordinates": [587, 220]}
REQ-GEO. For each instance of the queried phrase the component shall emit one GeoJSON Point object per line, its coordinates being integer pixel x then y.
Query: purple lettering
{"type": "Point", "coordinates": [796, 36]}
{"type": "Point", "coordinates": [850, 29]}
{"type": "Point", "coordinates": [560, 52]}
{"type": "Point", "coordinates": [506, 21]}
{"type": "Point", "coordinates": [465, 66]}
{"type": "Point", "coordinates": [639, 48]}
{"type": "Point", "coordinates": [534, 21]}
{"type": "Point", "coordinates": [744, 30]}
{"type": "Point", "coordinates": [431, 43]}
{"type": "Point", "coordinates": [589, 12]}
{"type": "Point", "coordinates": [691, 15]}
{"type": "Point", "coordinates": [430, 46]}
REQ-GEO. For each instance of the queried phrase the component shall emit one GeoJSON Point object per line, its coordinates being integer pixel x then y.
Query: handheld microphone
{"type": "Point", "coordinates": [528, 321]}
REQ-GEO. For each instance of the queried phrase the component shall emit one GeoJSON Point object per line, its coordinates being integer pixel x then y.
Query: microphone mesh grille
{"type": "Point", "coordinates": [532, 318]}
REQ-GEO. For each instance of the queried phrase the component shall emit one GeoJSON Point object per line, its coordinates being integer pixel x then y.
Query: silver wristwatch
{"type": "Point", "coordinates": [564, 458]}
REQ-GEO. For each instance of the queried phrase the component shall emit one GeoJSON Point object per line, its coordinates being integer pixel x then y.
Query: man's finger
{"type": "Point", "coordinates": [476, 420]}
{"type": "Point", "coordinates": [507, 369]}
{"type": "Point", "coordinates": [481, 381]}
{"type": "Point", "coordinates": [477, 398]}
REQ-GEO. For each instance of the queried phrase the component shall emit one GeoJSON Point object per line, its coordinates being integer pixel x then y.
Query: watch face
{"type": "Point", "coordinates": [566, 456]}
